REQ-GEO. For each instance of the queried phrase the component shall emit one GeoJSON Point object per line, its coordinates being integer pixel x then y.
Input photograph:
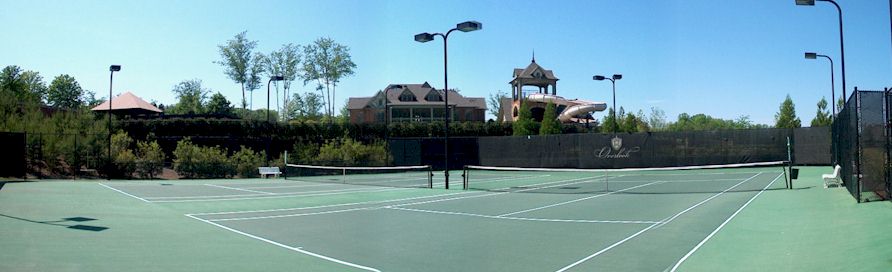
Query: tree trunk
{"type": "Point", "coordinates": [334, 87]}
{"type": "Point", "coordinates": [244, 100]}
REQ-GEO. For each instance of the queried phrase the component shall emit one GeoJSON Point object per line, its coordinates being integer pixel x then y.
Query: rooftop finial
{"type": "Point", "coordinates": [534, 55]}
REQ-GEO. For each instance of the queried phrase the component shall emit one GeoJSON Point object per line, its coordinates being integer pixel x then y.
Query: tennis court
{"type": "Point", "coordinates": [505, 221]}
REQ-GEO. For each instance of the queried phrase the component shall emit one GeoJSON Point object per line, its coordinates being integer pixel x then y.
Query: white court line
{"type": "Point", "coordinates": [662, 222]}
{"type": "Point", "coordinates": [675, 181]}
{"type": "Point", "coordinates": [239, 189]}
{"type": "Point", "coordinates": [399, 205]}
{"type": "Point", "coordinates": [680, 261]}
{"type": "Point", "coordinates": [290, 215]}
{"type": "Point", "coordinates": [501, 178]}
{"type": "Point", "coordinates": [313, 184]}
{"type": "Point", "coordinates": [666, 221]}
{"type": "Point", "coordinates": [328, 206]}
{"type": "Point", "coordinates": [221, 196]}
{"type": "Point", "coordinates": [606, 249]}
{"type": "Point", "coordinates": [526, 218]}
{"type": "Point", "coordinates": [274, 196]}
{"type": "Point", "coordinates": [577, 200]}
{"type": "Point", "coordinates": [297, 249]}
{"type": "Point", "coordinates": [122, 192]}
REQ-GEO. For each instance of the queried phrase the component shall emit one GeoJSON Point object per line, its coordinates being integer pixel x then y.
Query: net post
{"type": "Point", "coordinates": [464, 177]}
{"type": "Point", "coordinates": [789, 164]}
{"type": "Point", "coordinates": [285, 166]}
{"type": "Point", "coordinates": [785, 174]}
{"type": "Point", "coordinates": [430, 177]}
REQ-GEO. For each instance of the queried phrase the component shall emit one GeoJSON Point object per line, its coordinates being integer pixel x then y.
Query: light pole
{"type": "Point", "coordinates": [271, 79]}
{"type": "Point", "coordinates": [426, 37]}
{"type": "Point", "coordinates": [111, 78]}
{"type": "Point", "coordinates": [842, 50]}
{"type": "Point", "coordinates": [613, 82]}
{"type": "Point", "coordinates": [268, 133]}
{"type": "Point", "coordinates": [810, 55]}
{"type": "Point", "coordinates": [386, 112]}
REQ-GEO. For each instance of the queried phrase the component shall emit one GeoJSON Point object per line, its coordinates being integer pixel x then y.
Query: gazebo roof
{"type": "Point", "coordinates": [534, 71]}
{"type": "Point", "coordinates": [127, 102]}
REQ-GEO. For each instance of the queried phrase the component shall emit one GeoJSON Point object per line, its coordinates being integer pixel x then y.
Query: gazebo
{"type": "Point", "coordinates": [128, 104]}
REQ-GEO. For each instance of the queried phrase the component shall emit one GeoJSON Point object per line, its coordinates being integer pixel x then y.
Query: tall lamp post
{"type": "Point", "coordinates": [426, 37]}
{"type": "Point", "coordinates": [271, 79]}
{"type": "Point", "coordinates": [613, 81]}
{"type": "Point", "coordinates": [111, 78]}
{"type": "Point", "coordinates": [387, 112]}
{"type": "Point", "coordinates": [268, 134]}
{"type": "Point", "coordinates": [842, 50]}
{"type": "Point", "coordinates": [810, 55]}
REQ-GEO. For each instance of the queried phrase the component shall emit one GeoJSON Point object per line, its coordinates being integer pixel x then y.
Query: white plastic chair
{"type": "Point", "coordinates": [832, 179]}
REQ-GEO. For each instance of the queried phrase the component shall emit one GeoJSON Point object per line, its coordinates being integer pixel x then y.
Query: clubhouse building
{"type": "Point", "coordinates": [414, 103]}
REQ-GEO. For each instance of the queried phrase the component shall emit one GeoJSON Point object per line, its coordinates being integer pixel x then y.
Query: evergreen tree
{"type": "Point", "coordinates": [550, 123]}
{"type": "Point", "coordinates": [524, 124]}
{"type": "Point", "coordinates": [822, 117]}
{"type": "Point", "coordinates": [786, 116]}
{"type": "Point", "coordinates": [610, 124]}
{"type": "Point", "coordinates": [840, 104]}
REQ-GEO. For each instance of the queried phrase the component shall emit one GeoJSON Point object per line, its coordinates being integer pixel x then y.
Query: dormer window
{"type": "Point", "coordinates": [407, 96]}
{"type": "Point", "coordinates": [433, 96]}
{"type": "Point", "coordinates": [537, 74]}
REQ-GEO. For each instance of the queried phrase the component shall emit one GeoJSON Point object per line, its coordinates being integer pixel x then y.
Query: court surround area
{"type": "Point", "coordinates": [640, 224]}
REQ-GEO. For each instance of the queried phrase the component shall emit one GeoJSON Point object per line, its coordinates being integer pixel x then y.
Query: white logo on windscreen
{"type": "Point", "coordinates": [617, 151]}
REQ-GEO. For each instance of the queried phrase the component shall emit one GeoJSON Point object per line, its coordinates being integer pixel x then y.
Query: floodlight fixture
{"type": "Point", "coordinates": [424, 37]}
{"type": "Point", "coordinates": [469, 26]}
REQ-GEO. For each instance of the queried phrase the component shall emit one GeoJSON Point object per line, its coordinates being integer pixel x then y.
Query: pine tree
{"type": "Point", "coordinates": [822, 117]}
{"type": "Point", "coordinates": [524, 124]}
{"type": "Point", "coordinates": [610, 124]}
{"type": "Point", "coordinates": [550, 123]}
{"type": "Point", "coordinates": [786, 116]}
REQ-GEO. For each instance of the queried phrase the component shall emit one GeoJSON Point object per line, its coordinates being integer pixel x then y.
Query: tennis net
{"type": "Point", "coordinates": [668, 180]}
{"type": "Point", "coordinates": [394, 176]}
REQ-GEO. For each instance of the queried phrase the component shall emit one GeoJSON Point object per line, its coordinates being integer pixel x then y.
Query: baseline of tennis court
{"type": "Point", "coordinates": [630, 226]}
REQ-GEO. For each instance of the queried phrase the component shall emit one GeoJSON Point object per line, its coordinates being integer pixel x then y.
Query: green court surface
{"type": "Point", "coordinates": [720, 220]}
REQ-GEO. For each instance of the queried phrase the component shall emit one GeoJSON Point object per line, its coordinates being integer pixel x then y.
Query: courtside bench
{"type": "Point", "coordinates": [266, 171]}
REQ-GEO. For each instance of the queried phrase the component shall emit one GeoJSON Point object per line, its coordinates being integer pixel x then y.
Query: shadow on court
{"type": "Point", "coordinates": [64, 222]}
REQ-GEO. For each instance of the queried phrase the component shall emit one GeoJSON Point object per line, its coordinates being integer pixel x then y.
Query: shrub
{"type": "Point", "coordinates": [347, 152]}
{"type": "Point", "coordinates": [201, 162]}
{"type": "Point", "coordinates": [149, 159]}
{"type": "Point", "coordinates": [303, 152]}
{"type": "Point", "coordinates": [246, 162]}
{"type": "Point", "coordinates": [123, 159]}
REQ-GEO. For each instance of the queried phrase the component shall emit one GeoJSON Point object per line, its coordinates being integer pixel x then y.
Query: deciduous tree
{"type": "Point", "coordinates": [238, 60]}
{"type": "Point", "coordinates": [326, 62]}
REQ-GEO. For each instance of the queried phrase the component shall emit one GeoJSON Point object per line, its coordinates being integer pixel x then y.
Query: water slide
{"type": "Point", "coordinates": [574, 107]}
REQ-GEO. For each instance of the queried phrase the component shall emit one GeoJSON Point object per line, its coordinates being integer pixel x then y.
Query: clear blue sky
{"type": "Point", "coordinates": [722, 58]}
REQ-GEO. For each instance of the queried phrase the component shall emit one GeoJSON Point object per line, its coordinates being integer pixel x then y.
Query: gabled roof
{"type": "Point", "coordinates": [531, 70]}
{"type": "Point", "coordinates": [420, 91]}
{"type": "Point", "coordinates": [127, 101]}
